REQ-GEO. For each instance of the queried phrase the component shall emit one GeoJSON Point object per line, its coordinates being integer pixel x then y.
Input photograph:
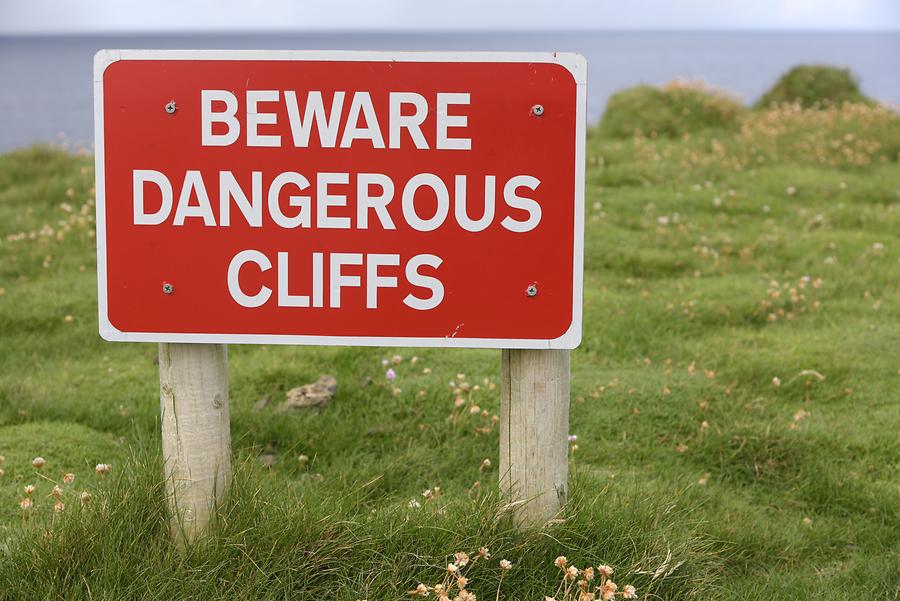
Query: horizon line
{"type": "Point", "coordinates": [457, 31]}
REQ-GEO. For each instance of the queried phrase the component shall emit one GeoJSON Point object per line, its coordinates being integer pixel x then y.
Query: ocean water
{"type": "Point", "coordinates": [46, 90]}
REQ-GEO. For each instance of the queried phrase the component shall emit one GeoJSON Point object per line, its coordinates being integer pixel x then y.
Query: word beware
{"type": "Point", "coordinates": [329, 123]}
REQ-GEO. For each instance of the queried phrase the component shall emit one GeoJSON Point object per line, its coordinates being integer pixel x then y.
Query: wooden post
{"type": "Point", "coordinates": [193, 382]}
{"type": "Point", "coordinates": [534, 429]}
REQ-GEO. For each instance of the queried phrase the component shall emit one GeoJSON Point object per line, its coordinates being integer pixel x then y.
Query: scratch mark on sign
{"type": "Point", "coordinates": [455, 330]}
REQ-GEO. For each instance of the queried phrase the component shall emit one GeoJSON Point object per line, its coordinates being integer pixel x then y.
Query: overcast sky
{"type": "Point", "coordinates": [71, 16]}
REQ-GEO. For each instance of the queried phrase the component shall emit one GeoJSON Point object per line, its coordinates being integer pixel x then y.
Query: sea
{"type": "Point", "coordinates": [46, 90]}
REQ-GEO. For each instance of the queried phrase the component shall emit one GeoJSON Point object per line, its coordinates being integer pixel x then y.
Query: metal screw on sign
{"type": "Point", "coordinates": [171, 107]}
{"type": "Point", "coordinates": [537, 110]}
{"type": "Point", "coordinates": [168, 288]}
{"type": "Point", "coordinates": [531, 290]}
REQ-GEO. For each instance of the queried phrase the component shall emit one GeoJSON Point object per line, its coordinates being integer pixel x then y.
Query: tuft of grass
{"type": "Point", "coordinates": [671, 111]}
{"type": "Point", "coordinates": [324, 542]}
{"type": "Point", "coordinates": [814, 86]}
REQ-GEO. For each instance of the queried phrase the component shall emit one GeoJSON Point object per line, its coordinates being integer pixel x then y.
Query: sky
{"type": "Point", "coordinates": [83, 16]}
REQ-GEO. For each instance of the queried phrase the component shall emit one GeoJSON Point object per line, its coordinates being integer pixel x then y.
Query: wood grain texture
{"type": "Point", "coordinates": [193, 382]}
{"type": "Point", "coordinates": [534, 429]}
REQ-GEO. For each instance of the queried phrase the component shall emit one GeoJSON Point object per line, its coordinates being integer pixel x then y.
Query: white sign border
{"type": "Point", "coordinates": [573, 62]}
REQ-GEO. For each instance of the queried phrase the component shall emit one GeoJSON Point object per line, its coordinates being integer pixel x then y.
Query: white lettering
{"type": "Point", "coordinates": [255, 118]}
{"type": "Point", "coordinates": [302, 218]}
{"type": "Point", "coordinates": [409, 202]}
{"type": "Point", "coordinates": [193, 181]}
{"type": "Point", "coordinates": [362, 101]}
{"type": "Point", "coordinates": [424, 281]}
{"type": "Point", "coordinates": [140, 177]}
{"type": "Point", "coordinates": [446, 121]}
{"type": "Point", "coordinates": [208, 117]}
{"type": "Point", "coordinates": [285, 298]}
{"type": "Point", "coordinates": [462, 216]}
{"type": "Point", "coordinates": [324, 200]}
{"type": "Point", "coordinates": [338, 280]}
{"type": "Point", "coordinates": [229, 188]}
{"type": "Point", "coordinates": [234, 285]}
{"type": "Point", "coordinates": [412, 123]}
{"type": "Point", "coordinates": [314, 111]}
{"type": "Point", "coordinates": [375, 281]}
{"type": "Point", "coordinates": [512, 199]}
{"type": "Point", "coordinates": [365, 202]}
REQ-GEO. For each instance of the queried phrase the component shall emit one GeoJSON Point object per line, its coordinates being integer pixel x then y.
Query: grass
{"type": "Point", "coordinates": [672, 110]}
{"type": "Point", "coordinates": [815, 86]}
{"type": "Point", "coordinates": [715, 263]}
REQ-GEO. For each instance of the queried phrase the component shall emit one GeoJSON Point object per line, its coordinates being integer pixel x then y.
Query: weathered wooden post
{"type": "Point", "coordinates": [534, 428]}
{"type": "Point", "coordinates": [193, 394]}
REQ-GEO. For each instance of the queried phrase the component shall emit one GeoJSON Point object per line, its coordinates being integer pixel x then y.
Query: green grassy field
{"type": "Point", "coordinates": [735, 400]}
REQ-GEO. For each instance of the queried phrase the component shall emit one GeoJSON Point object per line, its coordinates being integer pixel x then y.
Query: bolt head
{"type": "Point", "coordinates": [531, 290]}
{"type": "Point", "coordinates": [168, 288]}
{"type": "Point", "coordinates": [171, 107]}
{"type": "Point", "coordinates": [537, 110]}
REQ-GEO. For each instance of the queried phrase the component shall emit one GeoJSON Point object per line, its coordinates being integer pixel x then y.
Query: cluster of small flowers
{"type": "Point", "coordinates": [799, 416]}
{"type": "Point", "coordinates": [454, 586]}
{"type": "Point", "coordinates": [786, 300]}
{"type": "Point", "coordinates": [390, 375]}
{"type": "Point", "coordinates": [80, 219]}
{"type": "Point", "coordinates": [583, 585]}
{"type": "Point", "coordinates": [28, 503]}
{"type": "Point", "coordinates": [466, 407]}
{"type": "Point", "coordinates": [429, 494]}
{"type": "Point", "coordinates": [576, 584]}
{"type": "Point", "coordinates": [699, 85]}
{"type": "Point", "coordinates": [834, 135]}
